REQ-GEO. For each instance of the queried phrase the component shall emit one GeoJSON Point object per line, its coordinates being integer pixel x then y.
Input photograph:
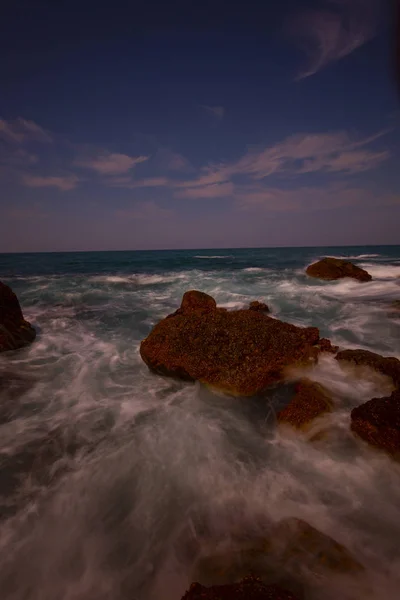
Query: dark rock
{"type": "Point", "coordinates": [259, 306]}
{"type": "Point", "coordinates": [395, 306]}
{"type": "Point", "coordinates": [298, 543]}
{"type": "Point", "coordinates": [326, 346]}
{"type": "Point", "coordinates": [330, 269]}
{"type": "Point", "coordinates": [15, 332]}
{"type": "Point", "coordinates": [387, 365]}
{"type": "Point", "coordinates": [238, 352]}
{"type": "Point", "coordinates": [250, 588]}
{"type": "Point", "coordinates": [378, 423]}
{"type": "Point", "coordinates": [311, 401]}
{"type": "Point", "coordinates": [197, 301]}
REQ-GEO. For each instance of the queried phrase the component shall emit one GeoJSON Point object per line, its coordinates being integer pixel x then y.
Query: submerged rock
{"type": "Point", "coordinates": [378, 423]}
{"type": "Point", "coordinates": [15, 332]}
{"type": "Point", "coordinates": [291, 553]}
{"type": "Point", "coordinates": [258, 306]}
{"type": "Point", "coordinates": [387, 365]}
{"type": "Point", "coordinates": [395, 306]}
{"type": "Point", "coordinates": [330, 269]}
{"type": "Point", "coordinates": [310, 402]}
{"type": "Point", "coordinates": [250, 588]}
{"type": "Point", "coordinates": [240, 352]}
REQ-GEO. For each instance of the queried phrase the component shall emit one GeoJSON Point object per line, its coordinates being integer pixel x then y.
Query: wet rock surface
{"type": "Point", "coordinates": [240, 352]}
{"type": "Point", "coordinates": [15, 332]}
{"type": "Point", "coordinates": [377, 422]}
{"type": "Point", "coordinates": [250, 588]}
{"type": "Point", "coordinates": [387, 365]}
{"type": "Point", "coordinates": [311, 401]}
{"type": "Point", "coordinates": [330, 269]}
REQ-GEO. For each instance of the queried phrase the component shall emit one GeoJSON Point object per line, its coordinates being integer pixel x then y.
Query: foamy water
{"type": "Point", "coordinates": [111, 478]}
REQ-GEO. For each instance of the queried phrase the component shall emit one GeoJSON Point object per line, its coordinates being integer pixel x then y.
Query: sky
{"type": "Point", "coordinates": [202, 124]}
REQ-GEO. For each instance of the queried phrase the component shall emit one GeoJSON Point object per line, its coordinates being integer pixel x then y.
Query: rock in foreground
{"type": "Point", "coordinates": [378, 423]}
{"type": "Point", "coordinates": [310, 402]}
{"type": "Point", "coordinates": [387, 365]}
{"type": "Point", "coordinates": [240, 352]}
{"type": "Point", "coordinates": [15, 332]}
{"type": "Point", "coordinates": [250, 588]}
{"type": "Point", "coordinates": [330, 269]}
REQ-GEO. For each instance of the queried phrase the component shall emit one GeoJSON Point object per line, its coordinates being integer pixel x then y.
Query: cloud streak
{"type": "Point", "coordinates": [329, 153]}
{"type": "Point", "coordinates": [21, 131]}
{"type": "Point", "coordinates": [108, 163]}
{"type": "Point", "coordinates": [62, 183]}
{"type": "Point", "coordinates": [330, 34]}
{"type": "Point", "coordinates": [216, 111]}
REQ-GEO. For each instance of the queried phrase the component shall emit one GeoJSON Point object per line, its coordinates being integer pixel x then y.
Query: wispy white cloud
{"type": "Point", "coordinates": [334, 31]}
{"type": "Point", "coordinates": [131, 183]}
{"type": "Point", "coordinates": [310, 198]}
{"type": "Point", "coordinates": [21, 130]}
{"type": "Point", "coordinates": [108, 163]}
{"type": "Point", "coordinates": [63, 183]}
{"type": "Point", "coordinates": [216, 111]}
{"type": "Point", "coordinates": [213, 190]}
{"type": "Point", "coordinates": [295, 156]}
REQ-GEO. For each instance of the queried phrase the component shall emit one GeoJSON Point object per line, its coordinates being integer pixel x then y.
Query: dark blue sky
{"type": "Point", "coordinates": [202, 124]}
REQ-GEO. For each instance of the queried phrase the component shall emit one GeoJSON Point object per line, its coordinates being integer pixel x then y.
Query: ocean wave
{"type": "Point", "coordinates": [138, 279]}
{"type": "Point", "coordinates": [216, 256]}
{"type": "Point", "coordinates": [357, 256]}
{"type": "Point", "coordinates": [382, 271]}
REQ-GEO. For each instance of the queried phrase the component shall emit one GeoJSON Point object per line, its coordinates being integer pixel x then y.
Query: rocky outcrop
{"type": "Point", "coordinates": [311, 401]}
{"type": "Point", "coordinates": [387, 365]}
{"type": "Point", "coordinates": [250, 588]}
{"type": "Point", "coordinates": [377, 422]}
{"type": "Point", "coordinates": [330, 269]}
{"type": "Point", "coordinates": [239, 352]}
{"type": "Point", "coordinates": [15, 332]}
{"type": "Point", "coordinates": [259, 306]}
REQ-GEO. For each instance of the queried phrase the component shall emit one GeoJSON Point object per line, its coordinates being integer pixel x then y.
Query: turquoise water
{"type": "Point", "coordinates": [135, 462]}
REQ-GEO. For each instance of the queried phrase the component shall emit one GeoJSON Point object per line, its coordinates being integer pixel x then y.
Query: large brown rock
{"type": "Point", "coordinates": [387, 365]}
{"type": "Point", "coordinates": [240, 352]}
{"type": "Point", "coordinates": [197, 301]}
{"type": "Point", "coordinates": [378, 423]}
{"type": "Point", "coordinates": [335, 268]}
{"type": "Point", "coordinates": [311, 401]}
{"type": "Point", "coordinates": [250, 588]}
{"type": "Point", "coordinates": [15, 332]}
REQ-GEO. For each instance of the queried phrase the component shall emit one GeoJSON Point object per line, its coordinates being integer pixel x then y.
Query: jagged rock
{"type": "Point", "coordinates": [326, 346]}
{"type": "Point", "coordinates": [15, 332]}
{"type": "Point", "coordinates": [250, 588]}
{"type": "Point", "coordinates": [239, 352]}
{"type": "Point", "coordinates": [310, 402]}
{"type": "Point", "coordinates": [387, 365]}
{"type": "Point", "coordinates": [330, 269]}
{"type": "Point", "coordinates": [258, 306]}
{"type": "Point", "coordinates": [378, 423]}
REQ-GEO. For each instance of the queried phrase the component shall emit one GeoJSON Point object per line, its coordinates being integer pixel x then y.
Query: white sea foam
{"type": "Point", "coordinates": [161, 467]}
{"type": "Point", "coordinates": [382, 271]}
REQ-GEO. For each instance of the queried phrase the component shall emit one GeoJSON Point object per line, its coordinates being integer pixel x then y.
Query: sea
{"type": "Point", "coordinates": [111, 477]}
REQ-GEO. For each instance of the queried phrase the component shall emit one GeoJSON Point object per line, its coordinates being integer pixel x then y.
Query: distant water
{"type": "Point", "coordinates": [108, 472]}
